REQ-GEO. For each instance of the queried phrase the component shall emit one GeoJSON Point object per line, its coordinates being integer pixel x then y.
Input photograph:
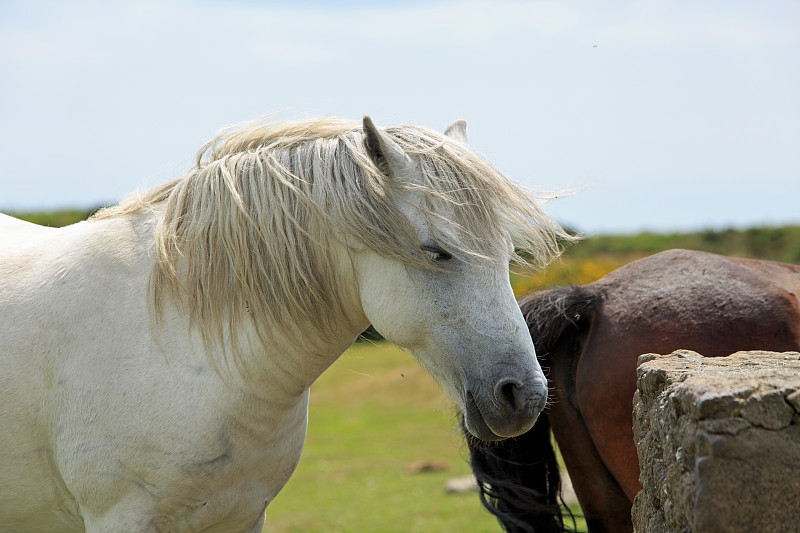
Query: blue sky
{"type": "Point", "coordinates": [669, 115]}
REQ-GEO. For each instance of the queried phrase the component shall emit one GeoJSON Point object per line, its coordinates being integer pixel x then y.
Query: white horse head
{"type": "Point", "coordinates": [455, 311]}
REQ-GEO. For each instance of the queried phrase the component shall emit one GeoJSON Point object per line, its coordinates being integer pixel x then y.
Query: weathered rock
{"type": "Point", "coordinates": [719, 443]}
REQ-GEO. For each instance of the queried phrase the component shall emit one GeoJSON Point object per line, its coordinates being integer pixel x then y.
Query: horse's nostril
{"type": "Point", "coordinates": [506, 392]}
{"type": "Point", "coordinates": [509, 396]}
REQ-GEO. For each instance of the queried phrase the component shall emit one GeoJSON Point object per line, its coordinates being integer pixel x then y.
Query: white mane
{"type": "Point", "coordinates": [251, 228]}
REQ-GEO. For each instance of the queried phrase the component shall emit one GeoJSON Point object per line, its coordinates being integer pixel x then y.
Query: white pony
{"type": "Point", "coordinates": [155, 361]}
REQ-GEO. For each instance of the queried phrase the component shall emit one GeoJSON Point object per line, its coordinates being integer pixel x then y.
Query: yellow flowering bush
{"type": "Point", "coordinates": [563, 272]}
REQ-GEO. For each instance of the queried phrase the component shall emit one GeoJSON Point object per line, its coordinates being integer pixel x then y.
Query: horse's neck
{"type": "Point", "coordinates": [283, 366]}
{"type": "Point", "coordinates": [302, 361]}
{"type": "Point", "coordinates": [284, 369]}
{"type": "Point", "coordinates": [293, 364]}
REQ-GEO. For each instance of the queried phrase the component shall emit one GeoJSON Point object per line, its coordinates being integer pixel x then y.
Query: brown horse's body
{"type": "Point", "coordinates": [590, 338]}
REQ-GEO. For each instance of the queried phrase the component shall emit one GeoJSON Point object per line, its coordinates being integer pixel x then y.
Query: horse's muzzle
{"type": "Point", "coordinates": [510, 409]}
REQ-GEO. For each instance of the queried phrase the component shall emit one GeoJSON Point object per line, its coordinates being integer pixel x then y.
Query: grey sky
{"type": "Point", "coordinates": [672, 114]}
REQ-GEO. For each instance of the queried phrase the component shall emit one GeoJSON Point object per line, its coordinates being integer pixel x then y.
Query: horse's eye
{"type": "Point", "coordinates": [435, 253]}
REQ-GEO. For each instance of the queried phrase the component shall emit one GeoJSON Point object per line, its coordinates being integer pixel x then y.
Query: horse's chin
{"type": "Point", "coordinates": [476, 424]}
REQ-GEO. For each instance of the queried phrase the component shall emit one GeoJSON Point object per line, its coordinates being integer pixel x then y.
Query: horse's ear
{"type": "Point", "coordinates": [383, 151]}
{"type": "Point", "coordinates": [458, 131]}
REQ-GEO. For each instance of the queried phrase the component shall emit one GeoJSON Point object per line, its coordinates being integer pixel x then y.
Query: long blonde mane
{"type": "Point", "coordinates": [251, 228]}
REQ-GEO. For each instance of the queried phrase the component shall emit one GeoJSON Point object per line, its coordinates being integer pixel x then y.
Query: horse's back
{"type": "Point", "coordinates": [715, 303]}
{"type": "Point", "coordinates": [16, 234]}
{"type": "Point", "coordinates": [44, 271]}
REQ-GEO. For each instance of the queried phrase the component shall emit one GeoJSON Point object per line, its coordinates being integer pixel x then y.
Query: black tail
{"type": "Point", "coordinates": [518, 478]}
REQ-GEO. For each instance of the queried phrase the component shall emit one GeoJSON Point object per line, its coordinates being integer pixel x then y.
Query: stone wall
{"type": "Point", "coordinates": [719, 443]}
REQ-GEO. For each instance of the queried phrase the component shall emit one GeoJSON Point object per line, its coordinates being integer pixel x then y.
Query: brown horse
{"type": "Point", "coordinates": [590, 337]}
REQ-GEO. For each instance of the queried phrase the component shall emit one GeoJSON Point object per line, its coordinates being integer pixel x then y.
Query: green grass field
{"type": "Point", "coordinates": [376, 417]}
